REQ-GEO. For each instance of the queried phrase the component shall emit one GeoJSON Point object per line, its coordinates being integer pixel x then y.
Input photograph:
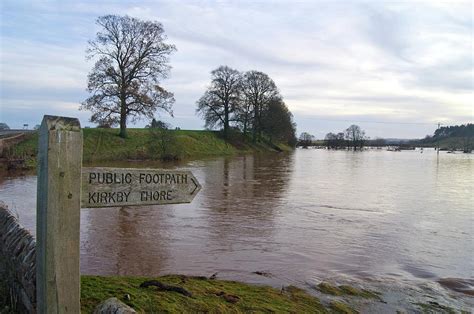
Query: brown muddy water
{"type": "Point", "coordinates": [401, 223]}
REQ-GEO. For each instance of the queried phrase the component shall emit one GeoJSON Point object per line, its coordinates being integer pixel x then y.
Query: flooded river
{"type": "Point", "coordinates": [387, 220]}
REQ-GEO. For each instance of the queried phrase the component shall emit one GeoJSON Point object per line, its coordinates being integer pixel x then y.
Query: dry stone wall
{"type": "Point", "coordinates": [18, 261]}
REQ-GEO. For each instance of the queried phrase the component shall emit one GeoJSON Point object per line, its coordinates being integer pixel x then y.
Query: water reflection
{"type": "Point", "coordinates": [123, 241]}
{"type": "Point", "coordinates": [251, 189]}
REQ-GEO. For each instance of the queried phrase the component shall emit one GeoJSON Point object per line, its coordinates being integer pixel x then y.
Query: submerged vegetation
{"type": "Point", "coordinates": [327, 288]}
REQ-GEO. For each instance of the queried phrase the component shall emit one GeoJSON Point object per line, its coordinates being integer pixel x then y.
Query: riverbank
{"type": "Point", "coordinates": [192, 294]}
{"type": "Point", "coordinates": [144, 144]}
{"type": "Point", "coordinates": [184, 294]}
{"type": "Point", "coordinates": [195, 294]}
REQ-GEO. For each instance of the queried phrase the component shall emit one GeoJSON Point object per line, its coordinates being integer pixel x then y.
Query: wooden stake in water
{"type": "Point", "coordinates": [58, 215]}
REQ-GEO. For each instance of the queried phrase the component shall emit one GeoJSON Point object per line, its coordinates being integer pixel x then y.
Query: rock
{"type": "Point", "coordinates": [113, 306]}
{"type": "Point", "coordinates": [228, 297]}
{"type": "Point", "coordinates": [231, 298]}
{"type": "Point", "coordinates": [263, 273]}
{"type": "Point", "coordinates": [164, 287]}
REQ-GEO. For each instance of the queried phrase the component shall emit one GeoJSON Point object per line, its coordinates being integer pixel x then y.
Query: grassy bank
{"type": "Point", "coordinates": [215, 296]}
{"type": "Point", "coordinates": [141, 144]}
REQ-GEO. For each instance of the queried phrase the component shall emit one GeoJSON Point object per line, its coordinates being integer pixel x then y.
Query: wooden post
{"type": "Point", "coordinates": [58, 215]}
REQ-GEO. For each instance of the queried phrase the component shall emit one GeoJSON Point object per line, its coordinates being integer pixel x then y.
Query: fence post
{"type": "Point", "coordinates": [58, 215]}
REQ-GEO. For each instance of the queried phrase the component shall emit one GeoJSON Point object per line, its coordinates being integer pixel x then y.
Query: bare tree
{"type": "Point", "coordinates": [243, 116]}
{"type": "Point", "coordinates": [221, 99]}
{"type": "Point", "coordinates": [331, 140]}
{"type": "Point", "coordinates": [356, 136]}
{"type": "Point", "coordinates": [258, 90]}
{"type": "Point", "coordinates": [132, 58]}
{"type": "Point", "coordinates": [340, 138]}
{"type": "Point", "coordinates": [306, 139]}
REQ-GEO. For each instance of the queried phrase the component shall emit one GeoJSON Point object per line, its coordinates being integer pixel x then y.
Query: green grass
{"type": "Point", "coordinates": [341, 308]}
{"type": "Point", "coordinates": [106, 145]}
{"type": "Point", "coordinates": [207, 296]}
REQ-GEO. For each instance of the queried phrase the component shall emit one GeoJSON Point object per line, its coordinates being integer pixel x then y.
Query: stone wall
{"type": "Point", "coordinates": [18, 261]}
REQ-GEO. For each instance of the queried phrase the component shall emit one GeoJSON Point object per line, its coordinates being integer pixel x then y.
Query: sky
{"type": "Point", "coordinates": [395, 68]}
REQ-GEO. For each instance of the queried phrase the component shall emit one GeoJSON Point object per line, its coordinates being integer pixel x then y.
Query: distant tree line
{"type": "Point", "coordinates": [452, 137]}
{"type": "Point", "coordinates": [249, 102]}
{"type": "Point", "coordinates": [465, 130]}
{"type": "Point", "coordinates": [353, 137]}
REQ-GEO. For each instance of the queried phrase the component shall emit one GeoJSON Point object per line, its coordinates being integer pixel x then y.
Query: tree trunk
{"type": "Point", "coordinates": [226, 121]}
{"type": "Point", "coordinates": [255, 124]}
{"type": "Point", "coordinates": [123, 127]}
{"type": "Point", "coordinates": [123, 118]}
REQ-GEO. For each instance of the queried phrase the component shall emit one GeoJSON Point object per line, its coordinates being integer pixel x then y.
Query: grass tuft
{"type": "Point", "coordinates": [342, 308]}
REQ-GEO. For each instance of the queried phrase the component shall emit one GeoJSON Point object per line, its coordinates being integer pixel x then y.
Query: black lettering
{"type": "Point", "coordinates": [92, 197]}
{"type": "Point", "coordinates": [126, 196]}
{"type": "Point", "coordinates": [162, 195]}
{"type": "Point", "coordinates": [128, 178]}
{"type": "Point", "coordinates": [92, 177]}
{"type": "Point", "coordinates": [103, 197]}
{"type": "Point", "coordinates": [145, 196]}
{"type": "Point", "coordinates": [168, 195]}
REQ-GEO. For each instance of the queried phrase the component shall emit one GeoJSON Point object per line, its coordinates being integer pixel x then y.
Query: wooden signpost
{"type": "Point", "coordinates": [64, 187]}
{"type": "Point", "coordinates": [58, 216]}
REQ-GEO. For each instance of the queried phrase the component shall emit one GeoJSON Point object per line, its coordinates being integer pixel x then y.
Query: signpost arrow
{"type": "Point", "coordinates": [106, 187]}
